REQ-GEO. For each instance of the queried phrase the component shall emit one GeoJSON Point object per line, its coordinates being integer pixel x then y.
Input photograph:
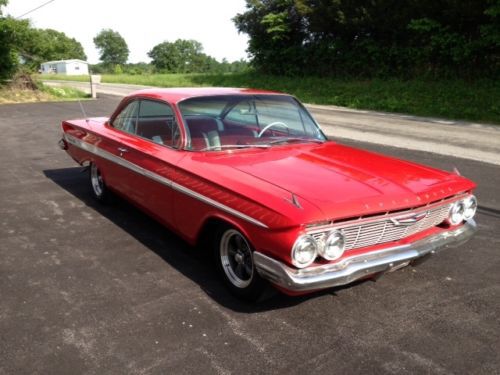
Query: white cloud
{"type": "Point", "coordinates": [143, 23]}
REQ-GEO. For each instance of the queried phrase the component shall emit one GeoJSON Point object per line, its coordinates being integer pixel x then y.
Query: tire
{"type": "Point", "coordinates": [234, 257]}
{"type": "Point", "coordinates": [97, 185]}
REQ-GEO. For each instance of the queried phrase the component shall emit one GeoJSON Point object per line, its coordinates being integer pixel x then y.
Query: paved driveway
{"type": "Point", "coordinates": [97, 289]}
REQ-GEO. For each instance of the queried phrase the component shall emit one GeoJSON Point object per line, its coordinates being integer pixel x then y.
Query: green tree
{"type": "Point", "coordinates": [12, 33]}
{"type": "Point", "coordinates": [113, 49]}
{"type": "Point", "coordinates": [277, 35]}
{"type": "Point", "coordinates": [373, 38]}
{"type": "Point", "coordinates": [181, 56]}
{"type": "Point", "coordinates": [20, 42]}
{"type": "Point", "coordinates": [47, 44]}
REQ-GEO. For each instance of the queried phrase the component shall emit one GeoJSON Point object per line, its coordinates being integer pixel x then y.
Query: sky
{"type": "Point", "coordinates": [142, 23]}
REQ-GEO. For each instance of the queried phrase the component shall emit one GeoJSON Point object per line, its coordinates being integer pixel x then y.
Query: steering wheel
{"type": "Point", "coordinates": [271, 125]}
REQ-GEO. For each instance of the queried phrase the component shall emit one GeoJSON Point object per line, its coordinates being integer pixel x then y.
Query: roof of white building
{"type": "Point", "coordinates": [65, 61]}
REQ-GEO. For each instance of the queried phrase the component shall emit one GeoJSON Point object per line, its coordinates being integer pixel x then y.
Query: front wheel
{"type": "Point", "coordinates": [234, 257]}
{"type": "Point", "coordinates": [97, 185]}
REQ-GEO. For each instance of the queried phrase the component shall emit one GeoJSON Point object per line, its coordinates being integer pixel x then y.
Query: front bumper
{"type": "Point", "coordinates": [357, 267]}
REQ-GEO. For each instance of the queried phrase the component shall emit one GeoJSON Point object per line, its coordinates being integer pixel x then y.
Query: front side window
{"type": "Point", "coordinates": [151, 120]}
{"type": "Point", "coordinates": [156, 121]}
{"type": "Point", "coordinates": [241, 121]}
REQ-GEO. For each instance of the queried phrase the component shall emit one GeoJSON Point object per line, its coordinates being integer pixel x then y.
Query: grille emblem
{"type": "Point", "coordinates": [409, 219]}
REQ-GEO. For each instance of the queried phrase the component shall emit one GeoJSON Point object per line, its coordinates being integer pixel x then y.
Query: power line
{"type": "Point", "coordinates": [32, 10]}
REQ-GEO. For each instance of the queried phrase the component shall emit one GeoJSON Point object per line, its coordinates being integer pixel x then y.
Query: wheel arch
{"type": "Point", "coordinates": [211, 223]}
{"type": "Point", "coordinates": [92, 159]}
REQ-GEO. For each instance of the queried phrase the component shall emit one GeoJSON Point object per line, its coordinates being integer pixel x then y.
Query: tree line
{"type": "Point", "coordinates": [374, 38]}
{"type": "Point", "coordinates": [25, 47]}
{"type": "Point", "coordinates": [343, 38]}
{"type": "Point", "coordinates": [180, 56]}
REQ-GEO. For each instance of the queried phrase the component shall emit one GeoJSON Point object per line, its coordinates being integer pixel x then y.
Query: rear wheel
{"type": "Point", "coordinates": [234, 257]}
{"type": "Point", "coordinates": [98, 187]}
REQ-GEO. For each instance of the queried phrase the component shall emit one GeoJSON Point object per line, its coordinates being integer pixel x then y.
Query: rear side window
{"type": "Point", "coordinates": [127, 118]}
{"type": "Point", "coordinates": [156, 121]}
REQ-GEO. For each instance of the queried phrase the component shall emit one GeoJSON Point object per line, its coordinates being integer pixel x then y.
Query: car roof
{"type": "Point", "coordinates": [175, 95]}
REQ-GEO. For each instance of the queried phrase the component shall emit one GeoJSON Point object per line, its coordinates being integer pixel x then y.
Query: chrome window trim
{"type": "Point", "coordinates": [158, 178]}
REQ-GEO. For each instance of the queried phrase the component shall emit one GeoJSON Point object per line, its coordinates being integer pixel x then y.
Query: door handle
{"type": "Point", "coordinates": [122, 150]}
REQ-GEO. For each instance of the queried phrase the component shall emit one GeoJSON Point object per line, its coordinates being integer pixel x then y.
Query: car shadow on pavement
{"type": "Point", "coordinates": [194, 263]}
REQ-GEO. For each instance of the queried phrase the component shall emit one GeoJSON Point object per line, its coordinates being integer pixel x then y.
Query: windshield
{"type": "Point", "coordinates": [245, 121]}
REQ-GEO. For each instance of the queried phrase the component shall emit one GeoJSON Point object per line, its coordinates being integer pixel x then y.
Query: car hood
{"type": "Point", "coordinates": [343, 181]}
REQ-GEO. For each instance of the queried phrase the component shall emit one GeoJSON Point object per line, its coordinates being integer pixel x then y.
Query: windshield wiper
{"type": "Point", "coordinates": [294, 139]}
{"type": "Point", "coordinates": [221, 147]}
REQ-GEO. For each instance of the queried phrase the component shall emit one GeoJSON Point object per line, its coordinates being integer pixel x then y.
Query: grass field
{"type": "Point", "coordinates": [9, 95]}
{"type": "Point", "coordinates": [452, 99]}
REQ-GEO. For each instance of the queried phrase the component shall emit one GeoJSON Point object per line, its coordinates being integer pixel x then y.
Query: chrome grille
{"type": "Point", "coordinates": [386, 228]}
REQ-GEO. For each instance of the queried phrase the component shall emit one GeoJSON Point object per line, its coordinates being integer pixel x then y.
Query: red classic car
{"type": "Point", "coordinates": [250, 175]}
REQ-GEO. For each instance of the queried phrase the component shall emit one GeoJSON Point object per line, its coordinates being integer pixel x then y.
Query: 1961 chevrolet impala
{"type": "Point", "coordinates": [250, 175]}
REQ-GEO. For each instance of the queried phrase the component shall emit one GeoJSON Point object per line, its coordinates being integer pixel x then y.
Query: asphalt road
{"type": "Point", "coordinates": [94, 289]}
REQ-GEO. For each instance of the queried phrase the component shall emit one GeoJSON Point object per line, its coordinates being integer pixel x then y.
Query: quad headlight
{"type": "Point", "coordinates": [304, 251]}
{"type": "Point", "coordinates": [306, 248]}
{"type": "Point", "coordinates": [334, 246]}
{"type": "Point", "coordinates": [470, 204]}
{"type": "Point", "coordinates": [463, 209]}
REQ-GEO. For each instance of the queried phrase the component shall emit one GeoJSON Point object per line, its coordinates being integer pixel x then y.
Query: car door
{"type": "Point", "coordinates": [150, 150]}
{"type": "Point", "coordinates": [115, 133]}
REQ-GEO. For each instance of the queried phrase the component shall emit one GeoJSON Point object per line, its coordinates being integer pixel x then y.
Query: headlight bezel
{"type": "Point", "coordinates": [462, 210]}
{"type": "Point", "coordinates": [335, 236]}
{"type": "Point", "coordinates": [470, 207]}
{"type": "Point", "coordinates": [296, 247]}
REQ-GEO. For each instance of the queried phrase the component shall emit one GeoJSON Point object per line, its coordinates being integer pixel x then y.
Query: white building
{"type": "Point", "coordinates": [69, 67]}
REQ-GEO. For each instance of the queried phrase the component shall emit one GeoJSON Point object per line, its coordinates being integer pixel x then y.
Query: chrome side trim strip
{"type": "Point", "coordinates": [115, 159]}
{"type": "Point", "coordinates": [357, 267]}
{"type": "Point", "coordinates": [156, 177]}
